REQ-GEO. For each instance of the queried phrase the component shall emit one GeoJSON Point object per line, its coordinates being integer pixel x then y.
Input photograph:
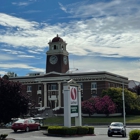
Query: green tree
{"type": "Point", "coordinates": [131, 100]}
{"type": "Point", "coordinates": [5, 77]}
{"type": "Point", "coordinates": [13, 102]}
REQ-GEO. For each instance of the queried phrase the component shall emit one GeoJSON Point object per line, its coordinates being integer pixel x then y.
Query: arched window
{"type": "Point", "coordinates": [55, 47]}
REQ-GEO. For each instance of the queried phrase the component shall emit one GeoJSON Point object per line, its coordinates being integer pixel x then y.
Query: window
{"type": "Point", "coordinates": [52, 87]}
{"type": "Point", "coordinates": [81, 85]}
{"type": "Point", "coordinates": [39, 99]}
{"type": "Point", "coordinates": [29, 88]}
{"type": "Point", "coordinates": [54, 47]}
{"type": "Point", "coordinates": [39, 87]}
{"type": "Point", "coordinates": [82, 98]}
{"type": "Point", "coordinates": [93, 85]}
{"type": "Point", "coordinates": [93, 89]}
{"type": "Point", "coordinates": [109, 85]}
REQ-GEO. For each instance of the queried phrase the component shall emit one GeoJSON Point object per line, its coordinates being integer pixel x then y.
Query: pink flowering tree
{"type": "Point", "coordinates": [105, 105]}
{"type": "Point", "coordinates": [88, 107]}
{"type": "Point", "coordinates": [102, 105]}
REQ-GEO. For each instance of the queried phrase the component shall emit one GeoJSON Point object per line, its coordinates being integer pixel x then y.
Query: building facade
{"type": "Point", "coordinates": [46, 90]}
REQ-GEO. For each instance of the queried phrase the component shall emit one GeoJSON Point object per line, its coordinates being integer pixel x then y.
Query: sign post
{"type": "Point", "coordinates": [72, 103]}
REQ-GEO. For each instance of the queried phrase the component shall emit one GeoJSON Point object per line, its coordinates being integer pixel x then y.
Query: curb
{"type": "Point", "coordinates": [57, 135]}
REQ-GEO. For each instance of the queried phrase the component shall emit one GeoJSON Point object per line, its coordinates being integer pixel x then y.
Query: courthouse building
{"type": "Point", "coordinates": [46, 89]}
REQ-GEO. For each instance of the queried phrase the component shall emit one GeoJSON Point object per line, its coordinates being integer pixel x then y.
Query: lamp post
{"type": "Point", "coordinates": [123, 98]}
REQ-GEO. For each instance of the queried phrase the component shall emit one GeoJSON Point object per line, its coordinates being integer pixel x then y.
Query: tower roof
{"type": "Point", "coordinates": [57, 39]}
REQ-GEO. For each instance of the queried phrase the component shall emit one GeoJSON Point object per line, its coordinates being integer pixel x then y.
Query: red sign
{"type": "Point", "coordinates": [73, 93]}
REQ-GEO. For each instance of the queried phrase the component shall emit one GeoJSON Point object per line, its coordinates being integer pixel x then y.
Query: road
{"type": "Point", "coordinates": [100, 132]}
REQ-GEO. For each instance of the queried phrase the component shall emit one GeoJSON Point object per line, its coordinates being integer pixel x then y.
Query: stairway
{"type": "Point", "coordinates": [47, 113]}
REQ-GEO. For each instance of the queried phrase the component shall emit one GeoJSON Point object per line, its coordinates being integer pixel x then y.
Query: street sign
{"type": "Point", "coordinates": [74, 109]}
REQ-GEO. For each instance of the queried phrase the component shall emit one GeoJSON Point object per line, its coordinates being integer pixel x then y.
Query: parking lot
{"type": "Point", "coordinates": [100, 134]}
{"type": "Point", "coordinates": [22, 135]}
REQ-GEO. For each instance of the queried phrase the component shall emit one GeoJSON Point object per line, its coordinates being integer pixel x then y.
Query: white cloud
{"type": "Point", "coordinates": [34, 52]}
{"type": "Point", "coordinates": [2, 73]}
{"type": "Point", "coordinates": [11, 21]}
{"type": "Point", "coordinates": [100, 9]}
{"type": "Point", "coordinates": [21, 66]}
{"type": "Point", "coordinates": [62, 7]}
{"type": "Point", "coordinates": [95, 64]}
{"type": "Point", "coordinates": [26, 56]}
{"type": "Point", "coordinates": [99, 34]}
{"type": "Point", "coordinates": [5, 57]}
{"type": "Point", "coordinates": [20, 3]}
{"type": "Point", "coordinates": [103, 29]}
{"type": "Point", "coordinates": [12, 51]}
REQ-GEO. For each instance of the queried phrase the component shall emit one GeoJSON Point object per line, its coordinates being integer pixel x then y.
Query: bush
{"type": "Point", "coordinates": [91, 130]}
{"type": "Point", "coordinates": [71, 131]}
{"type": "Point", "coordinates": [45, 127]}
{"type": "Point", "coordinates": [3, 136]}
{"type": "Point", "coordinates": [61, 130]}
{"type": "Point", "coordinates": [82, 130]}
{"type": "Point", "coordinates": [134, 134]}
{"type": "Point", "coordinates": [57, 130]}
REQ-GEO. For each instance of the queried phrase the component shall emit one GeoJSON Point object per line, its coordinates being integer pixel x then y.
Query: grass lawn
{"type": "Point", "coordinates": [93, 120]}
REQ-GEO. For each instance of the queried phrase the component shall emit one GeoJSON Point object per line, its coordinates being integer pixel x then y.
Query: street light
{"type": "Point", "coordinates": [123, 99]}
{"type": "Point", "coordinates": [123, 103]}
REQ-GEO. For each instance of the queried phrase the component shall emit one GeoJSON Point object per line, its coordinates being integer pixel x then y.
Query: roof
{"type": "Point", "coordinates": [57, 39]}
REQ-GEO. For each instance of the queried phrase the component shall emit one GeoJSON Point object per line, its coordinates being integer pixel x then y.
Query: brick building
{"type": "Point", "coordinates": [46, 90]}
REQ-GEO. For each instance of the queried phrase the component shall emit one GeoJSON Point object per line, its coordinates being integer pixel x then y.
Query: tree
{"type": "Point", "coordinates": [11, 74]}
{"type": "Point", "coordinates": [131, 99]}
{"type": "Point", "coordinates": [13, 102]}
{"type": "Point", "coordinates": [102, 105]}
{"type": "Point", "coordinates": [136, 89]}
{"type": "Point", "coordinates": [5, 77]}
{"type": "Point", "coordinates": [88, 107]}
{"type": "Point", "coordinates": [105, 105]}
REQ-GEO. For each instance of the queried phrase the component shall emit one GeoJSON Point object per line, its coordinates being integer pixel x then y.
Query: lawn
{"type": "Point", "coordinates": [93, 120]}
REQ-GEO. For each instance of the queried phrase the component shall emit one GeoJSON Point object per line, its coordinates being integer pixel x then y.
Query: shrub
{"type": "Point", "coordinates": [3, 136]}
{"type": "Point", "coordinates": [71, 131]}
{"type": "Point", "coordinates": [82, 130]}
{"type": "Point", "coordinates": [91, 130]}
{"type": "Point", "coordinates": [57, 130]}
{"type": "Point", "coordinates": [134, 134]}
{"type": "Point", "coordinates": [61, 130]}
{"type": "Point", "coordinates": [45, 127]}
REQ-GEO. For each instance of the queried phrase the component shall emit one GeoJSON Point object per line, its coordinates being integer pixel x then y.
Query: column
{"type": "Point", "coordinates": [45, 95]}
{"type": "Point", "coordinates": [59, 94]}
{"type": "Point", "coordinates": [55, 103]}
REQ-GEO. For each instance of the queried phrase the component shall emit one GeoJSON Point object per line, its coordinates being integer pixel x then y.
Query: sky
{"type": "Point", "coordinates": [101, 35]}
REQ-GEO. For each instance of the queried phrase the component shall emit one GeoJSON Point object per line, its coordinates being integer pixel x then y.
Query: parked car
{"type": "Point", "coordinates": [39, 120]}
{"type": "Point", "coordinates": [8, 125]}
{"type": "Point", "coordinates": [116, 128]}
{"type": "Point", "coordinates": [25, 124]}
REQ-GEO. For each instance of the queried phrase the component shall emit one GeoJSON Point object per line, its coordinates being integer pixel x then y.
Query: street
{"type": "Point", "coordinates": [100, 132]}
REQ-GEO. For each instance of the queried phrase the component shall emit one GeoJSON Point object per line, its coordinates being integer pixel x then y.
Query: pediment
{"type": "Point", "coordinates": [53, 73]}
{"type": "Point", "coordinates": [71, 81]}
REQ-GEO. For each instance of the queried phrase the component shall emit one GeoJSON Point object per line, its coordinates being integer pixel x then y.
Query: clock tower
{"type": "Point", "coordinates": [57, 56]}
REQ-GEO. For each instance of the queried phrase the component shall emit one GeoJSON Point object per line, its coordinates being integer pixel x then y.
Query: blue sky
{"type": "Point", "coordinates": [102, 35]}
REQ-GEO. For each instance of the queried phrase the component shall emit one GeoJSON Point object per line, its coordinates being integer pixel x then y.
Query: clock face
{"type": "Point", "coordinates": [65, 60]}
{"type": "Point", "coordinates": [53, 59]}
